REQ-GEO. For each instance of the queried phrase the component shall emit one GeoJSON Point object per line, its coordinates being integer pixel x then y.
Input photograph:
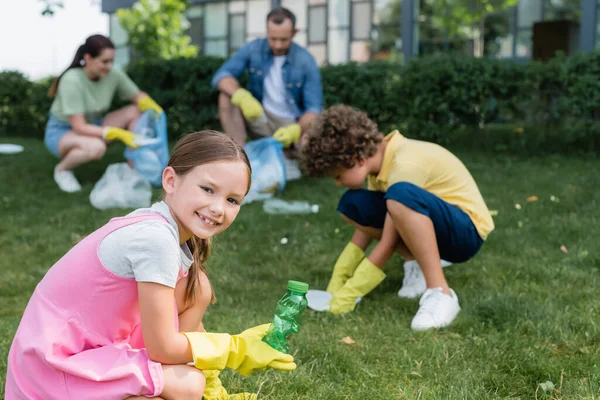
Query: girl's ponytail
{"type": "Point", "coordinates": [200, 250]}
{"type": "Point", "coordinates": [92, 46]}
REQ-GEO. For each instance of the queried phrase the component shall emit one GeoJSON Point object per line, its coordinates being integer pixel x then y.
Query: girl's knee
{"type": "Point", "coordinates": [194, 384]}
{"type": "Point", "coordinates": [183, 382]}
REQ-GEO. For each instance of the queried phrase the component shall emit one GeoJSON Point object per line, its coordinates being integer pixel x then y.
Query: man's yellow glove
{"type": "Point", "coordinates": [146, 103]}
{"type": "Point", "coordinates": [129, 138]}
{"type": "Point", "coordinates": [344, 267]}
{"type": "Point", "coordinates": [244, 353]}
{"type": "Point", "coordinates": [251, 108]}
{"type": "Point", "coordinates": [366, 277]}
{"type": "Point", "coordinates": [288, 135]}
{"type": "Point", "coordinates": [214, 389]}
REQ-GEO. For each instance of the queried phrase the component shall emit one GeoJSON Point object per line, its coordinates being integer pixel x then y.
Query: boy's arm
{"type": "Point", "coordinates": [386, 247]}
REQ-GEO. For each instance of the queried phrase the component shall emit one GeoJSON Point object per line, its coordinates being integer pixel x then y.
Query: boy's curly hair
{"type": "Point", "coordinates": [339, 137]}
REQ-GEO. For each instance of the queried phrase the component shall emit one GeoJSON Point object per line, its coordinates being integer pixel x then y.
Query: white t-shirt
{"type": "Point", "coordinates": [147, 251]}
{"type": "Point", "coordinates": [274, 91]}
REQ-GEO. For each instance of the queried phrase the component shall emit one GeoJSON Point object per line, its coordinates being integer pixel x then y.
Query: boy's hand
{"type": "Point", "coordinates": [366, 277]}
{"type": "Point", "coordinates": [344, 267]}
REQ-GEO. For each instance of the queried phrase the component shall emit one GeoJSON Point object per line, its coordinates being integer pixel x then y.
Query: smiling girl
{"type": "Point", "coordinates": [120, 315]}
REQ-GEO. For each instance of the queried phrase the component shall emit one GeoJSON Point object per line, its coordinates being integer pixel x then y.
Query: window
{"type": "Point", "coordinates": [361, 20]}
{"type": "Point", "coordinates": [237, 32]}
{"type": "Point", "coordinates": [215, 29]}
{"type": "Point", "coordinates": [195, 31]}
{"type": "Point", "coordinates": [317, 24]}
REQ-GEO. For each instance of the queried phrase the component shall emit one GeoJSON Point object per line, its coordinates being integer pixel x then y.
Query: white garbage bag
{"type": "Point", "coordinates": [121, 187]}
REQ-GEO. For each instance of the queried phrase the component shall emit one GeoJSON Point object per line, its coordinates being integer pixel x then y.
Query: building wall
{"type": "Point", "coordinates": [338, 31]}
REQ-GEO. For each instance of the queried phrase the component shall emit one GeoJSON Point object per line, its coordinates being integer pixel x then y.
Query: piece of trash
{"type": "Point", "coordinates": [563, 248]}
{"type": "Point", "coordinates": [279, 206]}
{"type": "Point", "coordinates": [493, 213]}
{"type": "Point", "coordinates": [518, 206]}
{"type": "Point", "coordinates": [554, 199]}
{"type": "Point", "coordinates": [9, 148]}
{"type": "Point", "coordinates": [284, 240]}
{"type": "Point", "coordinates": [347, 340]}
{"type": "Point", "coordinates": [547, 386]}
{"type": "Point", "coordinates": [583, 254]}
{"type": "Point", "coordinates": [531, 199]}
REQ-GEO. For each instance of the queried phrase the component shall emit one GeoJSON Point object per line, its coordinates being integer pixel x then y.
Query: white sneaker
{"type": "Point", "coordinates": [413, 284]}
{"type": "Point", "coordinates": [436, 309]}
{"type": "Point", "coordinates": [66, 181]}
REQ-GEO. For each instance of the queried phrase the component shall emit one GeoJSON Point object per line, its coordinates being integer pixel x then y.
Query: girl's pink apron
{"type": "Point", "coordinates": [80, 335]}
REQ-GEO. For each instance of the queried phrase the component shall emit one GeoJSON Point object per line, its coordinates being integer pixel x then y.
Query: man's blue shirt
{"type": "Point", "coordinates": [301, 75]}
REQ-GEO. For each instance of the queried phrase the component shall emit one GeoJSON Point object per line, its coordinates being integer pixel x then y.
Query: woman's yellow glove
{"type": "Point", "coordinates": [251, 108]}
{"type": "Point", "coordinates": [214, 389]}
{"type": "Point", "coordinates": [288, 135]}
{"type": "Point", "coordinates": [244, 353]}
{"type": "Point", "coordinates": [146, 103]}
{"type": "Point", "coordinates": [129, 138]}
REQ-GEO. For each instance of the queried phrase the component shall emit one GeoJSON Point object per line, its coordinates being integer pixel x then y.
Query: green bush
{"type": "Point", "coordinates": [24, 105]}
{"type": "Point", "coordinates": [443, 98]}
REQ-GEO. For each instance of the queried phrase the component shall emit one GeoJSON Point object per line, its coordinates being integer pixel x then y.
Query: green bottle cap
{"type": "Point", "coordinates": [296, 286]}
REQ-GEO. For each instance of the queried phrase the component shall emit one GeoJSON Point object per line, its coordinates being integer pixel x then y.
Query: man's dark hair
{"type": "Point", "coordinates": [280, 14]}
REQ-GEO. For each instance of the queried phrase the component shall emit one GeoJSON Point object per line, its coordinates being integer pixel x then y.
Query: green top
{"type": "Point", "coordinates": [296, 286]}
{"type": "Point", "coordinates": [78, 94]}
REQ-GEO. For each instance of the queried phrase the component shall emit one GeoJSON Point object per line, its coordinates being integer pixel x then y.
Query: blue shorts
{"type": "Point", "coordinates": [457, 237]}
{"type": "Point", "coordinates": [55, 130]}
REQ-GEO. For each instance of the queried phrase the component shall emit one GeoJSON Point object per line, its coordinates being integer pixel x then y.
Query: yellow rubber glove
{"type": "Point", "coordinates": [129, 138]}
{"type": "Point", "coordinates": [214, 389]}
{"type": "Point", "coordinates": [146, 103]}
{"type": "Point", "coordinates": [251, 108]}
{"type": "Point", "coordinates": [288, 135]}
{"type": "Point", "coordinates": [366, 277]}
{"type": "Point", "coordinates": [345, 266]}
{"type": "Point", "coordinates": [244, 353]}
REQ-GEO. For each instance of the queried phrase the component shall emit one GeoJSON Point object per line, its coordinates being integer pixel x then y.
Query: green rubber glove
{"type": "Point", "coordinates": [344, 267]}
{"type": "Point", "coordinates": [244, 353]}
{"type": "Point", "coordinates": [288, 135]}
{"type": "Point", "coordinates": [214, 389]}
{"type": "Point", "coordinates": [146, 103]}
{"type": "Point", "coordinates": [366, 277]}
{"type": "Point", "coordinates": [251, 108]}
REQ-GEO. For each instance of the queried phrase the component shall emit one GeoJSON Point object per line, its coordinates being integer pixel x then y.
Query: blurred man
{"type": "Point", "coordinates": [284, 92]}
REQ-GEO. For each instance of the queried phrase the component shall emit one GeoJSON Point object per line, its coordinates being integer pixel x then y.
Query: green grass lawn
{"type": "Point", "coordinates": [530, 312]}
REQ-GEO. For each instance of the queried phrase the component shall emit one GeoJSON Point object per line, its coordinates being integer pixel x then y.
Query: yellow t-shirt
{"type": "Point", "coordinates": [436, 170]}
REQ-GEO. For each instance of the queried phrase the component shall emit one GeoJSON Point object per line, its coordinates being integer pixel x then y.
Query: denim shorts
{"type": "Point", "coordinates": [457, 237]}
{"type": "Point", "coordinates": [55, 130]}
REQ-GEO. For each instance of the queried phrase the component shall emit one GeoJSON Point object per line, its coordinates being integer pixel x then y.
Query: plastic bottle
{"type": "Point", "coordinates": [287, 316]}
{"type": "Point", "coordinates": [278, 206]}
